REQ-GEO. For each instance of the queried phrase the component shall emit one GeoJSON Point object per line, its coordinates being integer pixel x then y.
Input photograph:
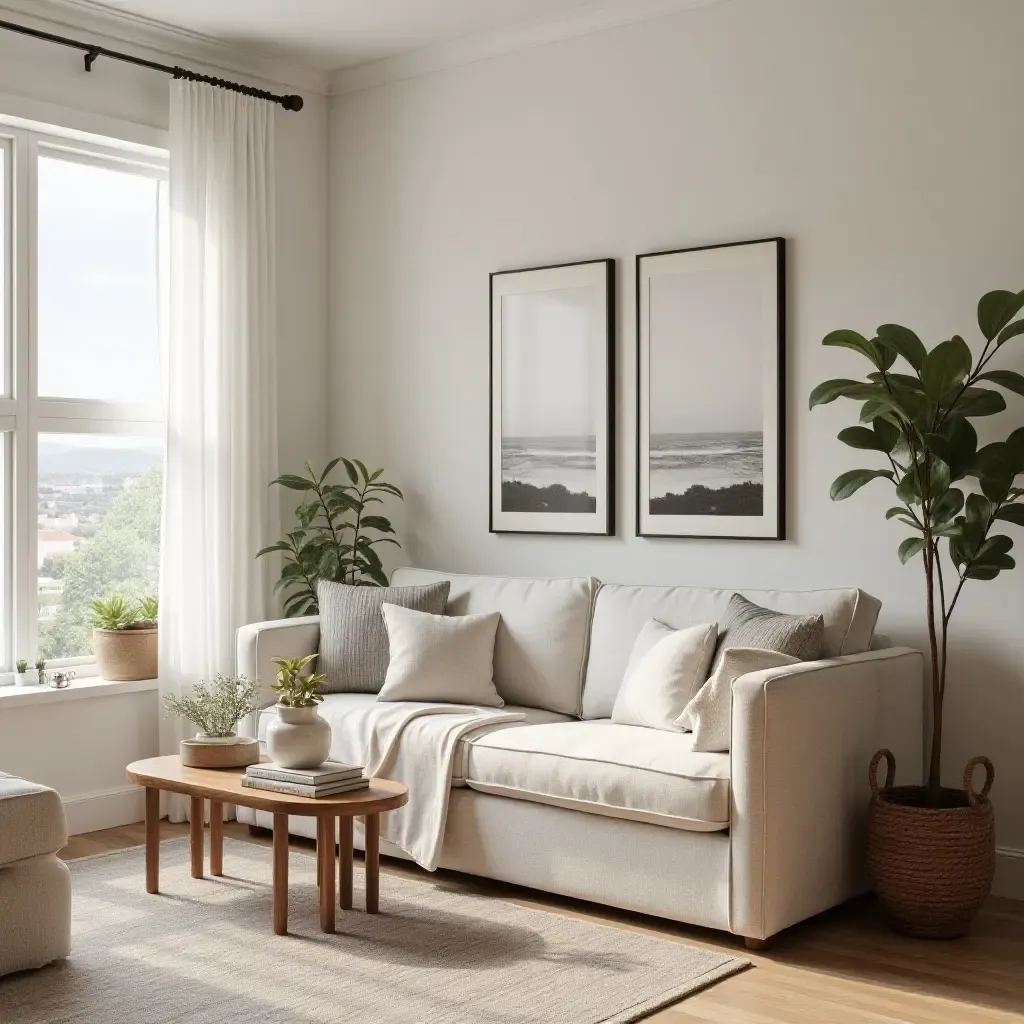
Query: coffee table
{"type": "Point", "coordinates": [224, 786]}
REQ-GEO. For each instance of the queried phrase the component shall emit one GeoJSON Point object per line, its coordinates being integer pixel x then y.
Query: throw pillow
{"type": "Point", "coordinates": [709, 714]}
{"type": "Point", "coordinates": [443, 658]}
{"type": "Point", "coordinates": [353, 640]}
{"type": "Point", "coordinates": [749, 625]}
{"type": "Point", "coordinates": [665, 670]}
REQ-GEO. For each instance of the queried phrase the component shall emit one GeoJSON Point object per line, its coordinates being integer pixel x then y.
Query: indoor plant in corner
{"type": "Point", "coordinates": [299, 737]}
{"type": "Point", "coordinates": [931, 849]}
{"type": "Point", "coordinates": [124, 637]}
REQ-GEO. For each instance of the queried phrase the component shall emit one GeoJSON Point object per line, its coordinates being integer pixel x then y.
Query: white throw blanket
{"type": "Point", "coordinates": [414, 744]}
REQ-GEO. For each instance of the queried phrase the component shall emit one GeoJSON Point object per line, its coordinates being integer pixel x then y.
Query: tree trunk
{"type": "Point", "coordinates": [935, 761]}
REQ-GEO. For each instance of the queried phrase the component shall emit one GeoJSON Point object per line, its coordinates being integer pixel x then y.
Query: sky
{"type": "Point", "coordinates": [552, 362]}
{"type": "Point", "coordinates": [705, 370]}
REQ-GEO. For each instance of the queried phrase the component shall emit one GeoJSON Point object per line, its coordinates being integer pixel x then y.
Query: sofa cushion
{"type": "Point", "coordinates": [32, 820]}
{"type": "Point", "coordinates": [621, 771]}
{"type": "Point", "coordinates": [621, 611]}
{"type": "Point", "coordinates": [541, 646]}
{"type": "Point", "coordinates": [336, 705]}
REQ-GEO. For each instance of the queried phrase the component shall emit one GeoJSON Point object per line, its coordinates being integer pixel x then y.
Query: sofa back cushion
{"type": "Point", "coordinates": [541, 646]}
{"type": "Point", "coordinates": [621, 611]}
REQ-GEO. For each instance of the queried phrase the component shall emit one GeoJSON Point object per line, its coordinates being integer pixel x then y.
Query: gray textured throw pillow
{"type": "Point", "coordinates": [749, 625]}
{"type": "Point", "coordinates": [354, 651]}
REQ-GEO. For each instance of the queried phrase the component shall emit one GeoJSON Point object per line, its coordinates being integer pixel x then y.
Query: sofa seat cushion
{"type": "Point", "coordinates": [602, 767]}
{"type": "Point", "coordinates": [336, 705]}
{"type": "Point", "coordinates": [32, 821]}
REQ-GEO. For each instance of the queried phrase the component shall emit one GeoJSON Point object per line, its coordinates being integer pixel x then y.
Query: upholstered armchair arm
{"type": "Point", "coordinates": [802, 738]}
{"type": "Point", "coordinates": [257, 644]}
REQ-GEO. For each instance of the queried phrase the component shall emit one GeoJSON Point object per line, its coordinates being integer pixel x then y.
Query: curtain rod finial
{"type": "Point", "coordinates": [291, 102]}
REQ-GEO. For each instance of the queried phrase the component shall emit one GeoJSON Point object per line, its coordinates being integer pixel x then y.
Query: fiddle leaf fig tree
{"type": "Point", "coordinates": [953, 496]}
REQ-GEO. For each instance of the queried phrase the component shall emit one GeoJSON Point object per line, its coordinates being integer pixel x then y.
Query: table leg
{"type": "Point", "coordinates": [345, 862]}
{"type": "Point", "coordinates": [325, 843]}
{"type": "Point", "coordinates": [372, 863]}
{"type": "Point", "coordinates": [195, 835]}
{"type": "Point", "coordinates": [152, 839]}
{"type": "Point", "coordinates": [281, 874]}
{"type": "Point", "coordinates": [216, 837]}
{"type": "Point", "coordinates": [319, 857]}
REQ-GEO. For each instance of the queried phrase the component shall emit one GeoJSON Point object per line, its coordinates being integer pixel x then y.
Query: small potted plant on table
{"type": "Point", "coordinates": [124, 637]}
{"type": "Point", "coordinates": [299, 738]}
{"type": "Point", "coordinates": [217, 708]}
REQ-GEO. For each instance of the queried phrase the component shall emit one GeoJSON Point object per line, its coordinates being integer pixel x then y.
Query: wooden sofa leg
{"type": "Point", "coordinates": [756, 945]}
{"type": "Point", "coordinates": [259, 831]}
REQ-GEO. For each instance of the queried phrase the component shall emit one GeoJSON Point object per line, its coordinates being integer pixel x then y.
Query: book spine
{"type": "Point", "coordinates": [294, 789]}
{"type": "Point", "coordinates": [255, 772]}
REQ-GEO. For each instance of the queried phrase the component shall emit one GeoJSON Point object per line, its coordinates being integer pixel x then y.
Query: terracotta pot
{"type": "Point", "coordinates": [931, 866]}
{"type": "Point", "coordinates": [124, 654]}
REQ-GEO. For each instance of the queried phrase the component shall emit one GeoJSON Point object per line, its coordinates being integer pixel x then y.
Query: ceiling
{"type": "Point", "coordinates": [332, 34]}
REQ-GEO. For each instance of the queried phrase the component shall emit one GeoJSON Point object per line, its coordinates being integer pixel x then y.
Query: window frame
{"type": "Point", "coordinates": [24, 414]}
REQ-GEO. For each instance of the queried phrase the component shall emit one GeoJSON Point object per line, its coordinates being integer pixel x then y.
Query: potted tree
{"type": "Point", "coordinates": [931, 848]}
{"type": "Point", "coordinates": [124, 637]}
{"type": "Point", "coordinates": [299, 738]}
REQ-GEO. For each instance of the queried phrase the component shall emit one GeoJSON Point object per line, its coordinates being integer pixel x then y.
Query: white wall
{"type": "Point", "coordinates": [880, 137]}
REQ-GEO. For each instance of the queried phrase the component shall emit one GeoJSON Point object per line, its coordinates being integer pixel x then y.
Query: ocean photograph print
{"type": "Point", "coordinates": [552, 373]}
{"type": "Point", "coordinates": [710, 391]}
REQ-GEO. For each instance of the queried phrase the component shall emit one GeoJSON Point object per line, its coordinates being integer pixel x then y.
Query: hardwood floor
{"type": "Point", "coordinates": [843, 967]}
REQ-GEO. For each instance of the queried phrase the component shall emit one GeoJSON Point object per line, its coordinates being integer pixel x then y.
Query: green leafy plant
{"type": "Point", "coordinates": [297, 690]}
{"type": "Point", "coordinates": [40, 666]}
{"type": "Point", "coordinates": [21, 666]}
{"type": "Point", "coordinates": [920, 424]}
{"type": "Point", "coordinates": [337, 535]}
{"type": "Point", "coordinates": [117, 612]}
{"type": "Point", "coordinates": [216, 707]}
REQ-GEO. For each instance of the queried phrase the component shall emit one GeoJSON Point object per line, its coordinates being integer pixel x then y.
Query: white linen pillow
{"type": "Point", "coordinates": [665, 670]}
{"type": "Point", "coordinates": [709, 714]}
{"type": "Point", "coordinates": [443, 658]}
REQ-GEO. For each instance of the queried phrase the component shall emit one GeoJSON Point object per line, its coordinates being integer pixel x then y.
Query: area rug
{"type": "Point", "coordinates": [204, 950]}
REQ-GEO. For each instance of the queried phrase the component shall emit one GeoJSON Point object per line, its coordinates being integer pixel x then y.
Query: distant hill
{"type": "Point", "coordinates": [58, 458]}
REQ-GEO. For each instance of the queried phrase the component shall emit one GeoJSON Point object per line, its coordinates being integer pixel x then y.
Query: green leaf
{"type": "Point", "coordinates": [1010, 331]}
{"type": "Point", "coordinates": [910, 547]}
{"type": "Point", "coordinates": [279, 546]}
{"type": "Point", "coordinates": [327, 469]}
{"type": "Point", "coordinates": [1015, 448]}
{"type": "Point", "coordinates": [956, 444]}
{"type": "Point", "coordinates": [378, 523]}
{"type": "Point", "coordinates": [949, 505]}
{"type": "Point", "coordinates": [945, 367]}
{"type": "Point", "coordinates": [874, 411]}
{"type": "Point", "coordinates": [862, 437]}
{"type": "Point", "coordinates": [362, 469]}
{"type": "Point", "coordinates": [982, 572]}
{"type": "Point", "coordinates": [293, 483]}
{"type": "Point", "coordinates": [979, 402]}
{"type": "Point", "coordinates": [857, 342]}
{"type": "Point", "coordinates": [1008, 379]}
{"type": "Point", "coordinates": [351, 470]}
{"type": "Point", "coordinates": [896, 510]}
{"type": "Point", "coordinates": [830, 390]}
{"type": "Point", "coordinates": [996, 488]}
{"type": "Point", "coordinates": [996, 310]}
{"type": "Point", "coordinates": [909, 487]}
{"type": "Point", "coordinates": [978, 510]}
{"type": "Point", "coordinates": [1012, 514]}
{"type": "Point", "coordinates": [851, 482]}
{"type": "Point", "coordinates": [888, 434]}
{"type": "Point", "coordinates": [904, 380]}
{"type": "Point", "coordinates": [904, 342]}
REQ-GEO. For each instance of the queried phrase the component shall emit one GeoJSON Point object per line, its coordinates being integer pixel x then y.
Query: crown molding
{"type": "Point", "coordinates": [159, 42]}
{"type": "Point", "coordinates": [595, 17]}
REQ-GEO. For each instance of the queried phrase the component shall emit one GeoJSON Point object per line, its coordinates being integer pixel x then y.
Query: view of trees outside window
{"type": "Point", "coordinates": [99, 530]}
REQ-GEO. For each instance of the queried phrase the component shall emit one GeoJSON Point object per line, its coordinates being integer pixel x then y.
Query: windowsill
{"type": "Point", "coordinates": [77, 689]}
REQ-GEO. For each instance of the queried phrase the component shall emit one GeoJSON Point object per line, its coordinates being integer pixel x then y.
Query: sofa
{"type": "Point", "coordinates": [35, 886]}
{"type": "Point", "coordinates": [749, 842]}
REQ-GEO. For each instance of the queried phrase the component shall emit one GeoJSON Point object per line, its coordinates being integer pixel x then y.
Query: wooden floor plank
{"type": "Point", "coordinates": [843, 967]}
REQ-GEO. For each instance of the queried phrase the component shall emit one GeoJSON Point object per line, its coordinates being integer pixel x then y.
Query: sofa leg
{"type": "Point", "coordinates": [756, 945]}
{"type": "Point", "coordinates": [259, 831]}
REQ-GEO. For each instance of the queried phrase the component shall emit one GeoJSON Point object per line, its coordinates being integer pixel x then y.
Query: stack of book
{"type": "Point", "coordinates": [330, 779]}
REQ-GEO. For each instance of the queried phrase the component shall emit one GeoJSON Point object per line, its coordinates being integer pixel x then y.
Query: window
{"type": "Point", "coordinates": [82, 238]}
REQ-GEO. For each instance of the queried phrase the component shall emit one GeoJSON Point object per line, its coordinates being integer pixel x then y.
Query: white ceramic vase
{"type": "Point", "coordinates": [26, 678]}
{"type": "Point", "coordinates": [299, 738]}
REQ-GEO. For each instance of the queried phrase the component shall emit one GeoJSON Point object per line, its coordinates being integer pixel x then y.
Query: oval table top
{"type": "Point", "coordinates": [225, 784]}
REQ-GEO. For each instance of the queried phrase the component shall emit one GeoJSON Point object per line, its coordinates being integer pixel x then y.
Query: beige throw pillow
{"type": "Point", "coordinates": [447, 659]}
{"type": "Point", "coordinates": [709, 714]}
{"type": "Point", "coordinates": [665, 670]}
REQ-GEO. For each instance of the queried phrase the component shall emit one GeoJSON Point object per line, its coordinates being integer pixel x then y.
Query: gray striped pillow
{"type": "Point", "coordinates": [749, 625]}
{"type": "Point", "coordinates": [354, 651]}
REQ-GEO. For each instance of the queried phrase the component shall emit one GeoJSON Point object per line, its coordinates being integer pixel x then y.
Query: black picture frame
{"type": "Point", "coordinates": [589, 274]}
{"type": "Point", "coordinates": [771, 346]}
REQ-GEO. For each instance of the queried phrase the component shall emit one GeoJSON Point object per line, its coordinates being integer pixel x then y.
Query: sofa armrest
{"type": "Point", "coordinates": [802, 737]}
{"type": "Point", "coordinates": [257, 644]}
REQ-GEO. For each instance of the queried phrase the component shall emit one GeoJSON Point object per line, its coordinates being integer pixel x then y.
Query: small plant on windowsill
{"type": "Point", "coordinates": [299, 738]}
{"type": "Point", "coordinates": [41, 670]}
{"type": "Point", "coordinates": [21, 676]}
{"type": "Point", "coordinates": [124, 637]}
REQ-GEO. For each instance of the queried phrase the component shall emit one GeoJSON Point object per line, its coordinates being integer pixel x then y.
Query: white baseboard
{"type": "Point", "coordinates": [1009, 873]}
{"type": "Point", "coordinates": [105, 808]}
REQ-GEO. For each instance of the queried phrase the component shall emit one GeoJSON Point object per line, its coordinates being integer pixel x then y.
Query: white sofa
{"type": "Point", "coordinates": [35, 886]}
{"type": "Point", "coordinates": [748, 842]}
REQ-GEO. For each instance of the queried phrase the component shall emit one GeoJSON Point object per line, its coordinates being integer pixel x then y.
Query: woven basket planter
{"type": "Point", "coordinates": [931, 867]}
{"type": "Point", "coordinates": [125, 654]}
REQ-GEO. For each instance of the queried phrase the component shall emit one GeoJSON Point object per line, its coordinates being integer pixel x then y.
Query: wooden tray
{"type": "Point", "coordinates": [196, 754]}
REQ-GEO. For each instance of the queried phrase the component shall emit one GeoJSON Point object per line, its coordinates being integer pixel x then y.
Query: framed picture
{"type": "Point", "coordinates": [552, 374]}
{"type": "Point", "coordinates": [710, 391]}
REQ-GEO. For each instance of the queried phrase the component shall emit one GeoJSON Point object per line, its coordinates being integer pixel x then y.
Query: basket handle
{"type": "Point", "coordinates": [890, 771]}
{"type": "Point", "coordinates": [990, 773]}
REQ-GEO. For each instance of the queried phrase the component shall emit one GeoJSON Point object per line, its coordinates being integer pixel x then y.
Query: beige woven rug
{"type": "Point", "coordinates": [204, 951]}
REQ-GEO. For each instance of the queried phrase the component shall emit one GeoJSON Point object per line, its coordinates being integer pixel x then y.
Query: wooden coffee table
{"type": "Point", "coordinates": [224, 786]}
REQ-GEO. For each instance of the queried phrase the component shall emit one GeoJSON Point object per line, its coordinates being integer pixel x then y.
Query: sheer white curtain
{"type": "Point", "coordinates": [221, 400]}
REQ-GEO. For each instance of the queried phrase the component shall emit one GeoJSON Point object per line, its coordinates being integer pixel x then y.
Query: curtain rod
{"type": "Point", "coordinates": [92, 52]}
